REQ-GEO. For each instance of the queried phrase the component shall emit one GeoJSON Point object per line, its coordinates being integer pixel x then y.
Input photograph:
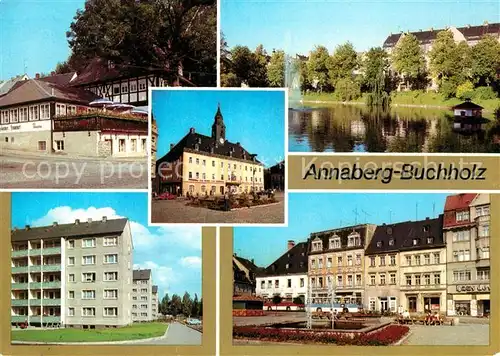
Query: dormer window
{"type": "Point", "coordinates": [287, 266]}
{"type": "Point", "coordinates": [430, 240]}
{"type": "Point", "coordinates": [415, 242]}
{"type": "Point", "coordinates": [462, 215]}
{"type": "Point", "coordinates": [426, 228]}
{"type": "Point", "coordinates": [353, 240]}
{"type": "Point", "coordinates": [391, 242]}
{"type": "Point", "coordinates": [389, 231]}
{"type": "Point", "coordinates": [334, 242]}
{"type": "Point", "coordinates": [317, 245]}
{"type": "Point", "coordinates": [379, 243]}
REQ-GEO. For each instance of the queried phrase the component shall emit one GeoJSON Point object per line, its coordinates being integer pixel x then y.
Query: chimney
{"type": "Point", "coordinates": [427, 218]}
{"type": "Point", "coordinates": [89, 220]}
{"type": "Point", "coordinates": [52, 73]}
{"type": "Point", "coordinates": [104, 218]}
{"type": "Point", "coordinates": [290, 244]}
{"type": "Point", "coordinates": [27, 227]}
{"type": "Point", "coordinates": [238, 144]}
{"type": "Point", "coordinates": [485, 23]}
{"type": "Point", "coordinates": [468, 25]}
{"type": "Point", "coordinates": [171, 146]}
{"type": "Point", "coordinates": [52, 92]}
{"type": "Point", "coordinates": [253, 262]}
{"type": "Point", "coordinates": [37, 76]}
{"type": "Point", "coordinates": [77, 221]}
{"type": "Point", "coordinates": [55, 223]}
{"type": "Point", "coordinates": [191, 130]}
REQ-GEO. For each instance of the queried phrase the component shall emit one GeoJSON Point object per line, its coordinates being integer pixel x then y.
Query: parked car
{"type": "Point", "coordinates": [193, 321]}
{"type": "Point", "coordinates": [166, 196]}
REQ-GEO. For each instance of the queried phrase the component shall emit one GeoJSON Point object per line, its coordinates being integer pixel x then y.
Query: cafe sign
{"type": "Point", "coordinates": [461, 288]}
{"type": "Point", "coordinates": [42, 125]}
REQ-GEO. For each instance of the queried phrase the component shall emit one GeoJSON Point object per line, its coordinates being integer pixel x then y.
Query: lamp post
{"type": "Point", "coordinates": [253, 179]}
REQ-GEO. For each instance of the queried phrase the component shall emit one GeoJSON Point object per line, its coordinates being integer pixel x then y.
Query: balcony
{"type": "Point", "coordinates": [19, 302]}
{"type": "Point", "coordinates": [52, 251]}
{"type": "Point", "coordinates": [19, 253]}
{"type": "Point", "coordinates": [35, 302]}
{"type": "Point", "coordinates": [51, 319]}
{"type": "Point", "coordinates": [18, 318]}
{"type": "Point", "coordinates": [50, 302]}
{"type": "Point", "coordinates": [18, 286]}
{"type": "Point", "coordinates": [35, 285]}
{"type": "Point", "coordinates": [49, 285]}
{"type": "Point", "coordinates": [35, 252]}
{"type": "Point", "coordinates": [52, 268]}
{"type": "Point", "coordinates": [23, 269]}
{"type": "Point", "coordinates": [36, 268]}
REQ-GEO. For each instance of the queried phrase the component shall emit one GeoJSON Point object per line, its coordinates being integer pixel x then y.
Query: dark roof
{"type": "Point", "coordinates": [458, 201]}
{"type": "Point", "coordinates": [468, 105]}
{"type": "Point", "coordinates": [249, 265]}
{"type": "Point", "coordinates": [343, 233]}
{"type": "Point", "coordinates": [141, 274]}
{"type": "Point", "coordinates": [98, 71]}
{"type": "Point", "coordinates": [403, 234]}
{"type": "Point", "coordinates": [59, 79]}
{"type": "Point", "coordinates": [74, 230]}
{"type": "Point", "coordinates": [155, 289]}
{"type": "Point", "coordinates": [295, 258]}
{"type": "Point", "coordinates": [38, 90]}
{"type": "Point", "coordinates": [7, 85]}
{"type": "Point", "coordinates": [469, 32]}
{"type": "Point", "coordinates": [278, 168]}
{"type": "Point", "coordinates": [206, 144]}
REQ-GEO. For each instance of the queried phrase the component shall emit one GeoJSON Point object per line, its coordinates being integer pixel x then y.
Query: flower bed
{"type": "Point", "coordinates": [248, 312]}
{"type": "Point", "coordinates": [386, 336]}
{"type": "Point", "coordinates": [235, 202]}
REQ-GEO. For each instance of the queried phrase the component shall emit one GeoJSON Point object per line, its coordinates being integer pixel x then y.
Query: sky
{"type": "Point", "coordinates": [256, 119]}
{"type": "Point", "coordinates": [297, 26]}
{"type": "Point", "coordinates": [172, 253]}
{"type": "Point", "coordinates": [314, 212]}
{"type": "Point", "coordinates": [33, 34]}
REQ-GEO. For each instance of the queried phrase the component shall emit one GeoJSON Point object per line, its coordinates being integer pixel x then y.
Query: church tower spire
{"type": "Point", "coordinates": [218, 127]}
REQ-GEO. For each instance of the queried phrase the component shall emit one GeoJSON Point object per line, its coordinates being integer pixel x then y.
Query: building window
{"type": "Point", "coordinates": [320, 262]}
{"type": "Point", "coordinates": [263, 285]}
{"type": "Point", "coordinates": [42, 145]}
{"type": "Point", "coordinates": [459, 276]}
{"type": "Point", "coordinates": [391, 242]}
{"type": "Point", "coordinates": [302, 282]}
{"type": "Point", "coordinates": [408, 260]}
{"type": "Point", "coordinates": [317, 246]}
{"type": "Point", "coordinates": [379, 243]}
{"type": "Point", "coordinates": [133, 144]}
{"type": "Point", "coordinates": [88, 260]}
{"type": "Point", "coordinates": [462, 215]}
{"type": "Point", "coordinates": [349, 280]}
{"type": "Point", "coordinates": [110, 241]}
{"type": "Point", "coordinates": [417, 260]}
{"type": "Point", "coordinates": [334, 242]}
{"type": "Point", "coordinates": [190, 175]}
{"type": "Point", "coordinates": [71, 261]}
{"type": "Point", "coordinates": [277, 283]}
{"type": "Point", "coordinates": [372, 261]}
{"type": "Point", "coordinates": [408, 280]}
{"type": "Point", "coordinates": [88, 277]}
{"type": "Point", "coordinates": [213, 163]}
{"type": "Point", "coordinates": [88, 294]}
{"type": "Point", "coordinates": [463, 235]}
{"type": "Point", "coordinates": [88, 311]}
{"type": "Point", "coordinates": [382, 279]}
{"type": "Point", "coordinates": [71, 294]}
{"type": "Point", "coordinates": [71, 311]}
{"type": "Point", "coordinates": [358, 260]}
{"type": "Point", "coordinates": [111, 294]}
{"type": "Point", "coordinates": [427, 259]}
{"type": "Point", "coordinates": [415, 242]}
{"type": "Point", "coordinates": [393, 260]}
{"type": "Point", "coordinates": [417, 280]}
{"type": "Point", "coordinates": [121, 145]}
{"type": "Point", "coordinates": [289, 283]}
{"type": "Point", "coordinates": [190, 159]}
{"type": "Point", "coordinates": [71, 277]}
{"type": "Point", "coordinates": [113, 258]}
{"type": "Point", "coordinates": [71, 243]}
{"type": "Point", "coordinates": [358, 279]}
{"type": "Point", "coordinates": [339, 281]}
{"type": "Point", "coordinates": [88, 243]}
{"type": "Point", "coordinates": [484, 230]}
{"type": "Point", "coordinates": [339, 261]}
{"type": "Point", "coordinates": [372, 279]}
{"type": "Point", "coordinates": [313, 264]}
{"type": "Point", "coordinates": [349, 260]}
{"type": "Point", "coordinates": [436, 258]}
{"type": "Point", "coordinates": [437, 279]}
{"type": "Point", "coordinates": [393, 278]}
{"type": "Point", "coordinates": [482, 210]}
{"type": "Point", "coordinates": [110, 311]}
{"type": "Point", "coordinates": [382, 260]}
{"type": "Point", "coordinates": [353, 240]}
{"type": "Point", "coordinates": [372, 304]}
{"type": "Point", "coordinates": [427, 278]}
{"type": "Point", "coordinates": [430, 240]}
{"type": "Point", "coordinates": [483, 275]}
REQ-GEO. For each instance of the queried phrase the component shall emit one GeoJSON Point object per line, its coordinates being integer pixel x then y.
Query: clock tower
{"type": "Point", "coordinates": [218, 127]}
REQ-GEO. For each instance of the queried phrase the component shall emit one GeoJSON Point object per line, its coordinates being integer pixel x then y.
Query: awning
{"type": "Point", "coordinates": [462, 297]}
{"type": "Point", "coordinates": [482, 296]}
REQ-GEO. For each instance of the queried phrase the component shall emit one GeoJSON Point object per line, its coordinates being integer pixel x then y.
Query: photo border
{"type": "Point", "coordinates": [207, 346]}
{"type": "Point", "coordinates": [285, 154]}
{"type": "Point", "coordinates": [226, 317]}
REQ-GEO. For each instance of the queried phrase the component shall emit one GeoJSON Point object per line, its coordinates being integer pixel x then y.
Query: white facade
{"type": "Point", "coordinates": [287, 286]}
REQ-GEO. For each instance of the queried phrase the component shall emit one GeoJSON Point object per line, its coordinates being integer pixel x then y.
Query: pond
{"type": "Point", "coordinates": [356, 128]}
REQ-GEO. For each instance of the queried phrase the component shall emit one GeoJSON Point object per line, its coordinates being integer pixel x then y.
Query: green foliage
{"type": "Point", "coordinates": [448, 88]}
{"type": "Point", "coordinates": [408, 59]}
{"type": "Point", "coordinates": [342, 63]}
{"type": "Point", "coordinates": [276, 69]}
{"type": "Point", "coordinates": [317, 68]}
{"type": "Point", "coordinates": [298, 300]}
{"type": "Point", "coordinates": [484, 93]}
{"type": "Point", "coordinates": [187, 304]}
{"type": "Point", "coordinates": [246, 67]}
{"type": "Point", "coordinates": [347, 89]}
{"type": "Point", "coordinates": [485, 61]}
{"type": "Point", "coordinates": [277, 299]}
{"type": "Point", "coordinates": [497, 113]}
{"type": "Point", "coordinates": [229, 80]}
{"type": "Point", "coordinates": [163, 305]}
{"type": "Point", "coordinates": [465, 90]}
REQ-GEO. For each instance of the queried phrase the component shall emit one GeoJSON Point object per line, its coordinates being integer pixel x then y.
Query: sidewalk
{"type": "Point", "coordinates": [20, 154]}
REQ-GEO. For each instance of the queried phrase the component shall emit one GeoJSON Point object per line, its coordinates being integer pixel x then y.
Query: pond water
{"type": "Point", "coordinates": [355, 128]}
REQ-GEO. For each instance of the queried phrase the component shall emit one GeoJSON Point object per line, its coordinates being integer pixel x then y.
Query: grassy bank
{"type": "Point", "coordinates": [132, 332]}
{"type": "Point", "coordinates": [410, 98]}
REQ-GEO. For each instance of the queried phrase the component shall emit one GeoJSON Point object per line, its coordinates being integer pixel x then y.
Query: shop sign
{"type": "Point", "coordinates": [472, 288]}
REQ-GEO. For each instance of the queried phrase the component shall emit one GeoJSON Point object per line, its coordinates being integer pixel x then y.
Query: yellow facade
{"type": "Point", "coordinates": [210, 174]}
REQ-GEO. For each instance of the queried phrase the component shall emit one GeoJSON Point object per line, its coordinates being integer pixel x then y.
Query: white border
{"type": "Point", "coordinates": [285, 154]}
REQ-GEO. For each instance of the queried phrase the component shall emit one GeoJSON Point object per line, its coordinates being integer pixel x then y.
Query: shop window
{"type": "Point", "coordinates": [60, 145]}
{"type": "Point", "coordinates": [133, 144]}
{"type": "Point", "coordinates": [121, 145]}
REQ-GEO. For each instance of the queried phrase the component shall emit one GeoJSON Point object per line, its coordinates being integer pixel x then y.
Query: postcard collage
{"type": "Point", "coordinates": [231, 177]}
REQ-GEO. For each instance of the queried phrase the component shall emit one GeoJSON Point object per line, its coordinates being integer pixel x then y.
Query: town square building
{"type": "Point", "coordinates": [467, 234]}
{"type": "Point", "coordinates": [73, 275]}
{"type": "Point", "coordinates": [336, 262]}
{"type": "Point", "coordinates": [244, 272]}
{"type": "Point", "coordinates": [287, 276]}
{"type": "Point", "coordinates": [209, 165]}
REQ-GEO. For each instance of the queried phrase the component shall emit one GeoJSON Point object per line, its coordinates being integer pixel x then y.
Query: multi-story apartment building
{"type": "Point", "coordinates": [142, 295]}
{"type": "Point", "coordinates": [155, 303]}
{"type": "Point", "coordinates": [467, 234]}
{"type": "Point", "coordinates": [422, 261]}
{"type": "Point", "coordinates": [209, 165]}
{"type": "Point", "coordinates": [75, 275]}
{"type": "Point", "coordinates": [287, 276]}
{"type": "Point", "coordinates": [336, 262]}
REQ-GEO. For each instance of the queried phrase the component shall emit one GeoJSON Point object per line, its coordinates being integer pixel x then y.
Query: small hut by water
{"type": "Point", "coordinates": [468, 117]}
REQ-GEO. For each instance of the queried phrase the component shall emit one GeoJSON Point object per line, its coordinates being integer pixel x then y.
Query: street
{"type": "Point", "coordinates": [176, 211]}
{"type": "Point", "coordinates": [177, 334]}
{"type": "Point", "coordinates": [461, 334]}
{"type": "Point", "coordinates": [28, 171]}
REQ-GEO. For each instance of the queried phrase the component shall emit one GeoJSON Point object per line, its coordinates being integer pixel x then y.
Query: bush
{"type": "Point", "coordinates": [497, 113]}
{"type": "Point", "coordinates": [448, 89]}
{"type": "Point", "coordinates": [465, 90]}
{"type": "Point", "coordinates": [347, 89]}
{"type": "Point", "coordinates": [484, 93]}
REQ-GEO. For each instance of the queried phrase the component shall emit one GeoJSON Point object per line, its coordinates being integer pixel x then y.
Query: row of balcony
{"type": "Point", "coordinates": [37, 252]}
{"type": "Point", "coordinates": [34, 302]}
{"type": "Point", "coordinates": [36, 285]}
{"type": "Point", "coordinates": [35, 319]}
{"type": "Point", "coordinates": [37, 268]}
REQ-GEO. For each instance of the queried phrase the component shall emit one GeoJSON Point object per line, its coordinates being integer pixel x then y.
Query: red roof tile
{"type": "Point", "coordinates": [459, 201]}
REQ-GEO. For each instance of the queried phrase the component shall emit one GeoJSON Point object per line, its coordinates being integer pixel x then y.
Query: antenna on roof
{"type": "Point", "coordinates": [366, 215]}
{"type": "Point", "coordinates": [416, 211]}
{"type": "Point", "coordinates": [434, 209]}
{"type": "Point", "coordinates": [355, 211]}
{"type": "Point", "coordinates": [390, 216]}
{"type": "Point", "coordinates": [25, 67]}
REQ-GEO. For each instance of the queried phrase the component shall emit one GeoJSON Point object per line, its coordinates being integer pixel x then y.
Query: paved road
{"type": "Point", "coordinates": [173, 211]}
{"type": "Point", "coordinates": [177, 334]}
{"type": "Point", "coordinates": [47, 171]}
{"type": "Point", "coordinates": [462, 334]}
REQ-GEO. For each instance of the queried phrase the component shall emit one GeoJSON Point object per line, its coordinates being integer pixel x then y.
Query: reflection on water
{"type": "Point", "coordinates": [354, 128]}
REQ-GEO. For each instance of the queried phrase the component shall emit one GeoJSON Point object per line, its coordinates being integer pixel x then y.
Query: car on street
{"type": "Point", "coordinates": [166, 196]}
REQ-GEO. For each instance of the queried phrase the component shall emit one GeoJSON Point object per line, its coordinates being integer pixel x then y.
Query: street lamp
{"type": "Point", "coordinates": [253, 179]}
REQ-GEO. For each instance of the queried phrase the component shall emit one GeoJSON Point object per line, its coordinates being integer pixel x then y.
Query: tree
{"type": "Point", "coordinates": [298, 300]}
{"type": "Point", "coordinates": [161, 34]}
{"type": "Point", "coordinates": [342, 63]}
{"type": "Point", "coordinates": [63, 67]}
{"type": "Point", "coordinates": [408, 59]}
{"type": "Point", "coordinates": [259, 73]}
{"type": "Point", "coordinates": [347, 89]}
{"type": "Point", "coordinates": [164, 305]}
{"type": "Point", "coordinates": [200, 308]}
{"type": "Point", "coordinates": [317, 68]}
{"type": "Point", "coordinates": [187, 304]}
{"type": "Point", "coordinates": [276, 300]}
{"type": "Point", "coordinates": [195, 306]}
{"type": "Point", "coordinates": [305, 83]}
{"type": "Point", "coordinates": [485, 56]}
{"type": "Point", "coordinates": [276, 69]}
{"type": "Point", "coordinates": [465, 90]}
{"type": "Point", "coordinates": [175, 305]}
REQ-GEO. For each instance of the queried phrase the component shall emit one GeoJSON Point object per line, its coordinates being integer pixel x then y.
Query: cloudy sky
{"type": "Point", "coordinates": [172, 253]}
